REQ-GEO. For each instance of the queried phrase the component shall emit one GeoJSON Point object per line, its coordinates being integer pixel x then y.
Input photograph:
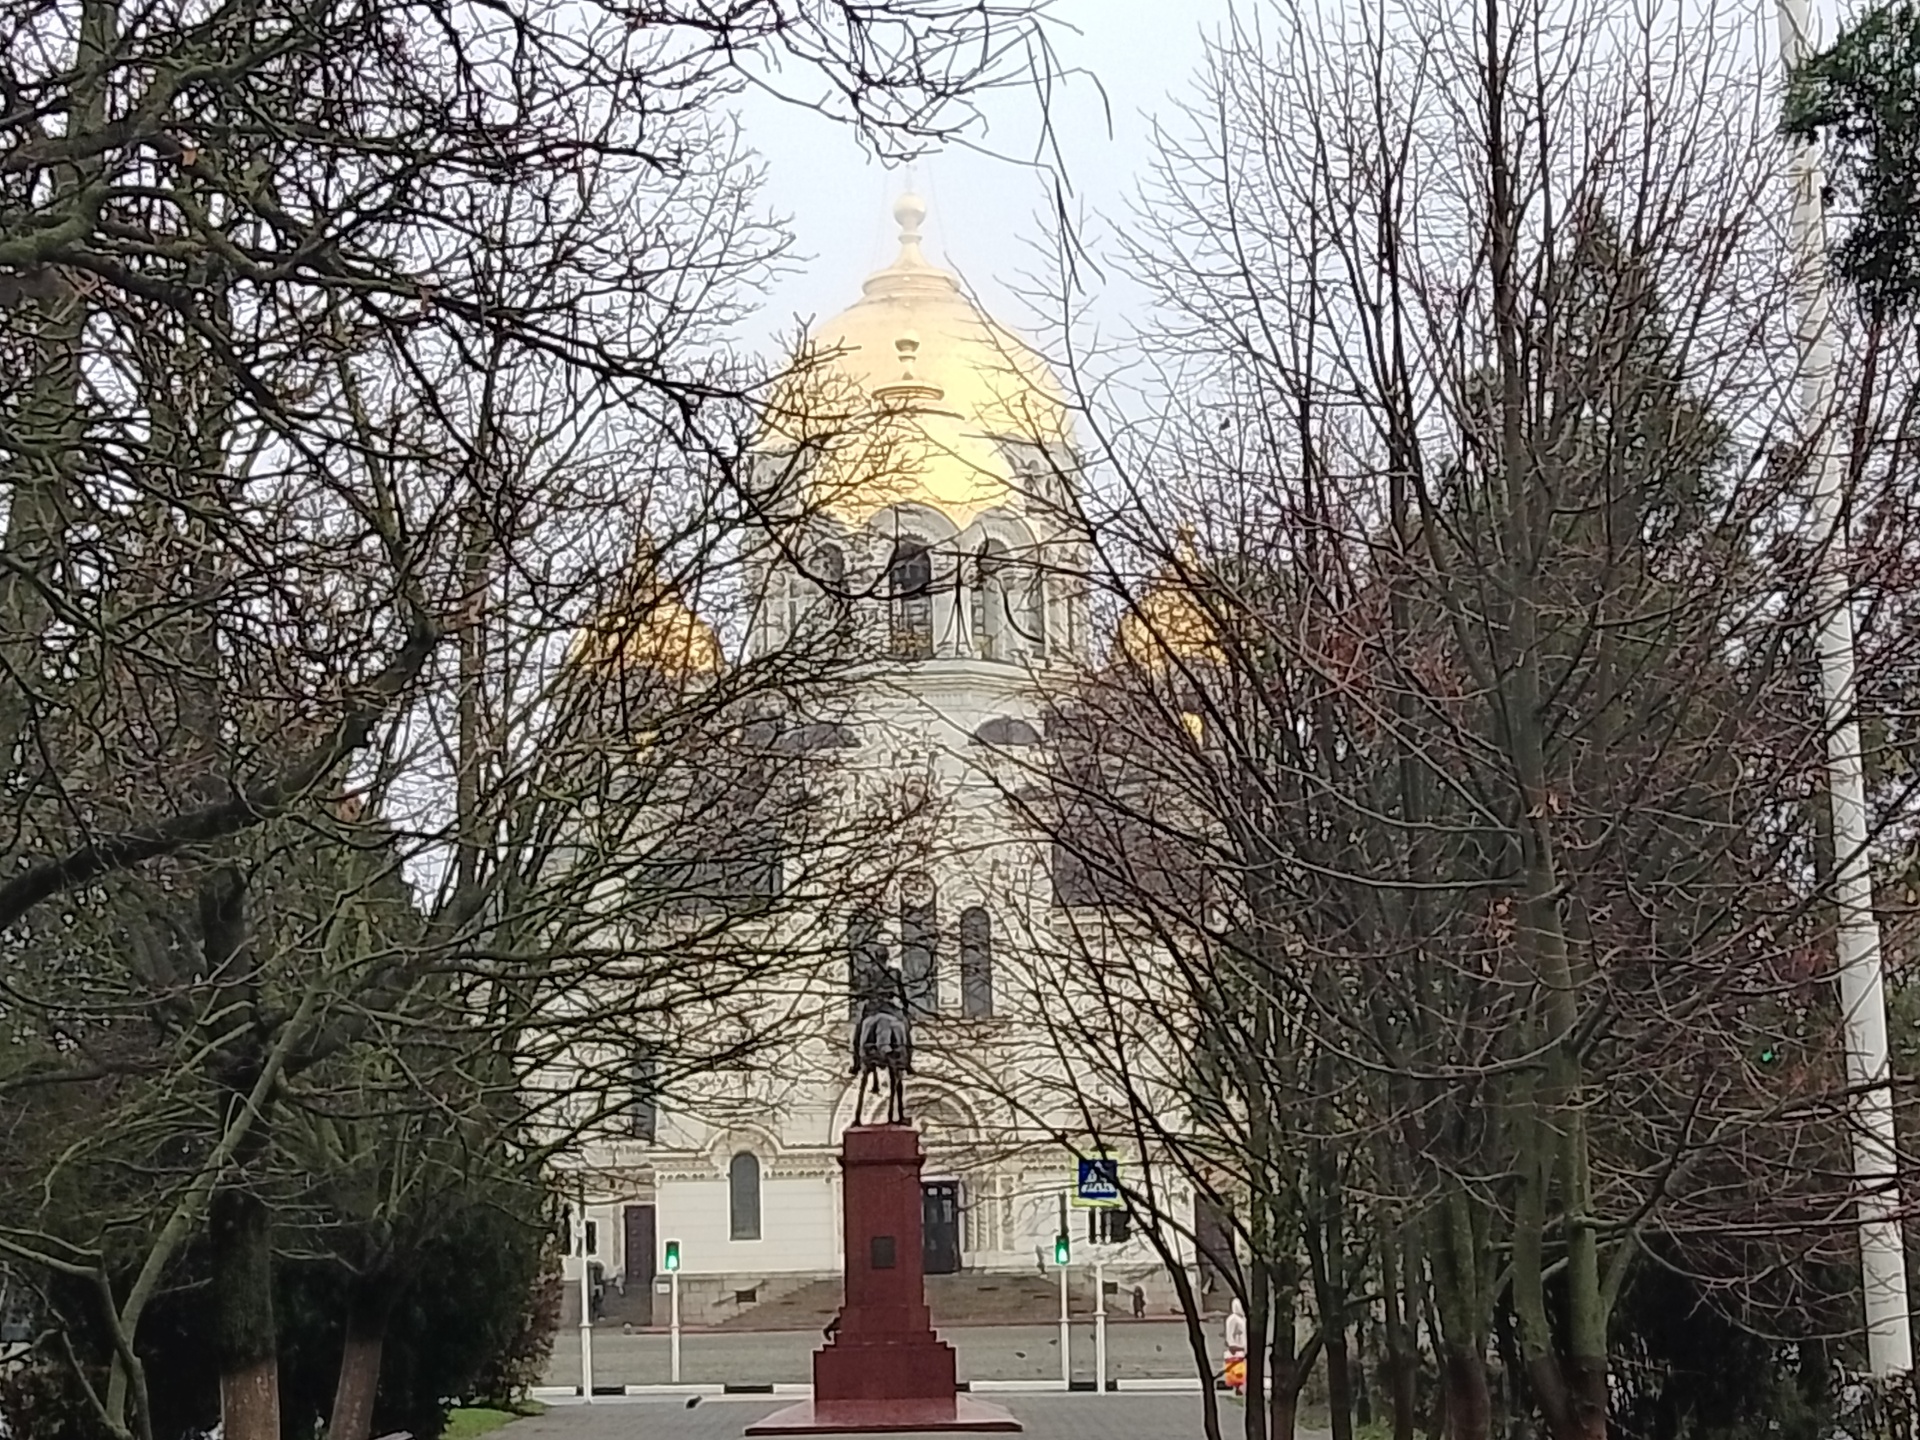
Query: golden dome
{"type": "Point", "coordinates": [1170, 624]}
{"type": "Point", "coordinates": [647, 627]}
{"type": "Point", "coordinates": [906, 395]}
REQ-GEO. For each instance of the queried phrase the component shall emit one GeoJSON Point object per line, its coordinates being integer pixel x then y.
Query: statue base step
{"type": "Point", "coordinates": [886, 1417]}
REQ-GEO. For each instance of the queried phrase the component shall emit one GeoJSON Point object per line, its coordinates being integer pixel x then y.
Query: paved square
{"type": "Point", "coordinates": [1047, 1417]}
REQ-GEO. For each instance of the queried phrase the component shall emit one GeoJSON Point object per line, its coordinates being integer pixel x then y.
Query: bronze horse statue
{"type": "Point", "coordinates": [883, 1041]}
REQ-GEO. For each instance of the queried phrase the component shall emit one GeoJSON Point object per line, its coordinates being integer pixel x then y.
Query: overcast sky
{"type": "Point", "coordinates": [985, 211]}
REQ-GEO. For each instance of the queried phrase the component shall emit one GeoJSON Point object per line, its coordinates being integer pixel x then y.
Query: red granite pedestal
{"type": "Point", "coordinates": [884, 1370]}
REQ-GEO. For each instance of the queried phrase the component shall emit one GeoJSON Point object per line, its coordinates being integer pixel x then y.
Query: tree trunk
{"type": "Point", "coordinates": [1290, 1377]}
{"type": "Point", "coordinates": [1400, 1368]}
{"type": "Point", "coordinates": [1339, 1381]}
{"type": "Point", "coordinates": [240, 1231]}
{"type": "Point", "coordinates": [1288, 1367]}
{"type": "Point", "coordinates": [1591, 1391]}
{"type": "Point", "coordinates": [1573, 1395]}
{"type": "Point", "coordinates": [1454, 1261]}
{"type": "Point", "coordinates": [1469, 1407]}
{"type": "Point", "coordinates": [1326, 1254]}
{"type": "Point", "coordinates": [1190, 1303]}
{"type": "Point", "coordinates": [1283, 1410]}
{"type": "Point", "coordinates": [1257, 1278]}
{"type": "Point", "coordinates": [368, 1312]}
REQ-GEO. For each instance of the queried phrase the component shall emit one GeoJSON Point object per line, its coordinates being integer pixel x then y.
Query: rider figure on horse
{"type": "Point", "coordinates": [883, 1041]}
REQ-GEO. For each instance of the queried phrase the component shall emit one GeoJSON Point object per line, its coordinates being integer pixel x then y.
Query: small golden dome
{"type": "Point", "coordinates": [906, 396]}
{"type": "Point", "coordinates": [647, 627]}
{"type": "Point", "coordinates": [1170, 624]}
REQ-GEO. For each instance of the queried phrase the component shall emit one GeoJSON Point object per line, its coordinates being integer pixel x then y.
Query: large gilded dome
{"type": "Point", "coordinates": [913, 395]}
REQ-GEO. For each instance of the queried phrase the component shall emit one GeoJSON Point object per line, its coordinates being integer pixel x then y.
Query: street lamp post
{"type": "Point", "coordinates": [1099, 1321]}
{"type": "Point", "coordinates": [1857, 933]}
{"type": "Point", "coordinates": [586, 1307]}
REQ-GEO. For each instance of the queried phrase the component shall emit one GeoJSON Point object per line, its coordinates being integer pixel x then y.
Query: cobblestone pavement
{"type": "Point", "coordinates": [1046, 1417]}
{"type": "Point", "coordinates": [1136, 1350]}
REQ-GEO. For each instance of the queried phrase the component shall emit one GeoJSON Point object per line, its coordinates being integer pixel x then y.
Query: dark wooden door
{"type": "Point", "coordinates": [642, 1258]}
{"type": "Point", "coordinates": [940, 1227]}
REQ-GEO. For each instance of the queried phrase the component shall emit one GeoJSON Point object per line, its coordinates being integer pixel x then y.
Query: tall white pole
{"type": "Point", "coordinates": [1099, 1322]}
{"type": "Point", "coordinates": [586, 1308]}
{"type": "Point", "coordinates": [1857, 940]}
{"type": "Point", "coordinates": [674, 1331]}
{"type": "Point", "coordinates": [1066, 1336]}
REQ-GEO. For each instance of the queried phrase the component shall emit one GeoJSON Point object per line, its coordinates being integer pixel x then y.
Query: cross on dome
{"type": "Point", "coordinates": [910, 213]}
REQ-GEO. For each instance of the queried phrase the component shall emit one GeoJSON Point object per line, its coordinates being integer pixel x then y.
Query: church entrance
{"type": "Point", "coordinates": [940, 1227]}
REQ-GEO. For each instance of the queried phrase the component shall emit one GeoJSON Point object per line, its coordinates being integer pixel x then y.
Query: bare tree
{"type": "Point", "coordinates": [1475, 718]}
{"type": "Point", "coordinates": [347, 355]}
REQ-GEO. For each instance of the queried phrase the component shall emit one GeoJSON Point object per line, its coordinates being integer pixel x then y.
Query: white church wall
{"type": "Point", "coordinates": [1004, 1091]}
{"type": "Point", "coordinates": [797, 1228]}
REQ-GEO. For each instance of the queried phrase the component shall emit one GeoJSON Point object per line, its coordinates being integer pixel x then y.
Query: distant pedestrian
{"type": "Point", "coordinates": [1139, 1303]}
{"type": "Point", "coordinates": [1235, 1370]}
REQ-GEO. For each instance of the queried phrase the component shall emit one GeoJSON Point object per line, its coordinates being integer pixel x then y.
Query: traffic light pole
{"type": "Point", "coordinates": [674, 1330]}
{"type": "Point", "coordinates": [1066, 1336]}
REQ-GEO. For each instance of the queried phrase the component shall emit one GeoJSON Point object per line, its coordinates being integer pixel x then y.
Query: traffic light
{"type": "Point", "coordinates": [1062, 1249]}
{"type": "Point", "coordinates": [672, 1261]}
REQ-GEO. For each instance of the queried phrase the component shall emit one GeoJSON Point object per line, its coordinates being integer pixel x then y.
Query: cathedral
{"type": "Point", "coordinates": [936, 527]}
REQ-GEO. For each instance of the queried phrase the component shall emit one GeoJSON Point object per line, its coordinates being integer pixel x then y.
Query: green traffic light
{"type": "Point", "coordinates": [1062, 1249]}
{"type": "Point", "coordinates": [672, 1261]}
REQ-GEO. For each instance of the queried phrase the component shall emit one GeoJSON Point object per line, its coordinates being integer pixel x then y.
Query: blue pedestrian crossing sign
{"type": "Point", "coordinates": [1099, 1184]}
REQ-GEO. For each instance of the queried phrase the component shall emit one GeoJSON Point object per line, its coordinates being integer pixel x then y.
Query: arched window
{"type": "Point", "coordinates": [743, 1197]}
{"type": "Point", "coordinates": [992, 622]}
{"type": "Point", "coordinates": [976, 963]}
{"type": "Point", "coordinates": [919, 948]}
{"type": "Point", "coordinates": [819, 591]}
{"type": "Point", "coordinates": [1033, 615]}
{"type": "Point", "coordinates": [910, 597]}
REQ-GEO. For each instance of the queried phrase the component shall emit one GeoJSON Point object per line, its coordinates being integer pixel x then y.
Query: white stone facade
{"type": "Point", "coordinates": [952, 682]}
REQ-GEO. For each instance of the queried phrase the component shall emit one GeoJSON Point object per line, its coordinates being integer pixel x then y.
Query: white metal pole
{"type": "Point", "coordinates": [586, 1310]}
{"type": "Point", "coordinates": [1066, 1336]}
{"type": "Point", "coordinates": [1099, 1322]}
{"type": "Point", "coordinates": [1857, 939]}
{"type": "Point", "coordinates": [673, 1332]}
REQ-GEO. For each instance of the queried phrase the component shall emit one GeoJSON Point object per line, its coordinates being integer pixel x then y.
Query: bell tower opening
{"type": "Point", "coordinates": [910, 597]}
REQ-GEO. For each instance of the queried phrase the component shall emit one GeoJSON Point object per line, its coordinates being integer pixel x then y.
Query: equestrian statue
{"type": "Point", "coordinates": [883, 1041]}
